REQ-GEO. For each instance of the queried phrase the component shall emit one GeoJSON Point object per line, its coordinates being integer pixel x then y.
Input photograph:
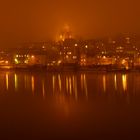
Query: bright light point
{"type": "Point", "coordinates": [6, 62]}
{"type": "Point", "coordinates": [16, 61]}
{"type": "Point", "coordinates": [43, 47]}
{"type": "Point", "coordinates": [69, 53]}
{"type": "Point", "coordinates": [74, 57]}
{"type": "Point", "coordinates": [26, 61]}
{"type": "Point", "coordinates": [59, 62]}
{"type": "Point", "coordinates": [61, 37]}
{"type": "Point", "coordinates": [123, 61]}
{"type": "Point", "coordinates": [32, 56]}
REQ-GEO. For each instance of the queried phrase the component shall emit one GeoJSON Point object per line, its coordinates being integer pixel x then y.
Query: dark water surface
{"type": "Point", "coordinates": [84, 105]}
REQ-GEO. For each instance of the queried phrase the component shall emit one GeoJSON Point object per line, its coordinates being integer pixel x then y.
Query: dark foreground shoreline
{"type": "Point", "coordinates": [95, 68]}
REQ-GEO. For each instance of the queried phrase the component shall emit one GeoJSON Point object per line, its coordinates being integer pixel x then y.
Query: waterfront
{"type": "Point", "coordinates": [69, 104]}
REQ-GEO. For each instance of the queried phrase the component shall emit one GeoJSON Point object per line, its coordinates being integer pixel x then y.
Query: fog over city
{"type": "Point", "coordinates": [40, 20]}
{"type": "Point", "coordinates": [69, 69]}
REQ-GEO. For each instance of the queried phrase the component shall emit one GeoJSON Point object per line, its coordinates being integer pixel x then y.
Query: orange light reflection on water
{"type": "Point", "coordinates": [104, 83]}
{"type": "Point", "coordinates": [33, 84]}
{"type": "Point", "coordinates": [16, 82]}
{"type": "Point", "coordinates": [124, 82]}
{"type": "Point", "coordinates": [7, 81]}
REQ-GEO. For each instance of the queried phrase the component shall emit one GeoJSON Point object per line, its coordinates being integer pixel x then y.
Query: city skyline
{"type": "Point", "coordinates": [69, 69]}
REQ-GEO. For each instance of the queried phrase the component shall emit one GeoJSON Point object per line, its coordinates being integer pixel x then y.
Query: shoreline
{"type": "Point", "coordinates": [67, 68]}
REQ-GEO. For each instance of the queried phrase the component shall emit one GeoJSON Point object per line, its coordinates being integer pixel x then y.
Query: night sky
{"type": "Point", "coordinates": [40, 20]}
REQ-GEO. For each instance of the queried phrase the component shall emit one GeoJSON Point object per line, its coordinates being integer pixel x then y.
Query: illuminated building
{"type": "Point", "coordinates": [68, 46]}
{"type": "Point", "coordinates": [65, 34]}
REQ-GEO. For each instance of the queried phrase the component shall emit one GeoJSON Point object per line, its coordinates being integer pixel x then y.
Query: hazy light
{"type": "Point", "coordinates": [60, 83]}
{"type": "Point", "coordinates": [124, 82]}
{"type": "Point", "coordinates": [33, 84]}
{"type": "Point", "coordinates": [67, 84]}
{"type": "Point", "coordinates": [82, 82]}
{"type": "Point", "coordinates": [75, 87]}
{"type": "Point", "coordinates": [16, 61]}
{"type": "Point", "coordinates": [59, 62]}
{"type": "Point", "coordinates": [74, 57]}
{"type": "Point", "coordinates": [6, 62]}
{"type": "Point", "coordinates": [43, 88]}
{"type": "Point", "coordinates": [70, 85]}
{"type": "Point", "coordinates": [85, 85]}
{"type": "Point", "coordinates": [53, 82]}
{"type": "Point", "coordinates": [7, 81]}
{"type": "Point", "coordinates": [115, 81]}
{"type": "Point", "coordinates": [32, 56]}
{"type": "Point", "coordinates": [16, 82]}
{"type": "Point", "coordinates": [69, 53]}
{"type": "Point", "coordinates": [104, 83]}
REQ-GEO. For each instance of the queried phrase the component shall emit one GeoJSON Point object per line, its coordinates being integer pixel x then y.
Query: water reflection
{"type": "Point", "coordinates": [60, 83]}
{"type": "Point", "coordinates": [74, 80]}
{"type": "Point", "coordinates": [104, 83]}
{"type": "Point", "coordinates": [43, 88]}
{"type": "Point", "coordinates": [70, 85]}
{"type": "Point", "coordinates": [7, 81]}
{"type": "Point", "coordinates": [16, 82]}
{"type": "Point", "coordinates": [33, 84]}
{"type": "Point", "coordinates": [52, 100]}
{"type": "Point", "coordinates": [84, 84]}
{"type": "Point", "coordinates": [115, 81]}
{"type": "Point", "coordinates": [53, 83]}
{"type": "Point", "coordinates": [67, 85]}
{"type": "Point", "coordinates": [124, 82]}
